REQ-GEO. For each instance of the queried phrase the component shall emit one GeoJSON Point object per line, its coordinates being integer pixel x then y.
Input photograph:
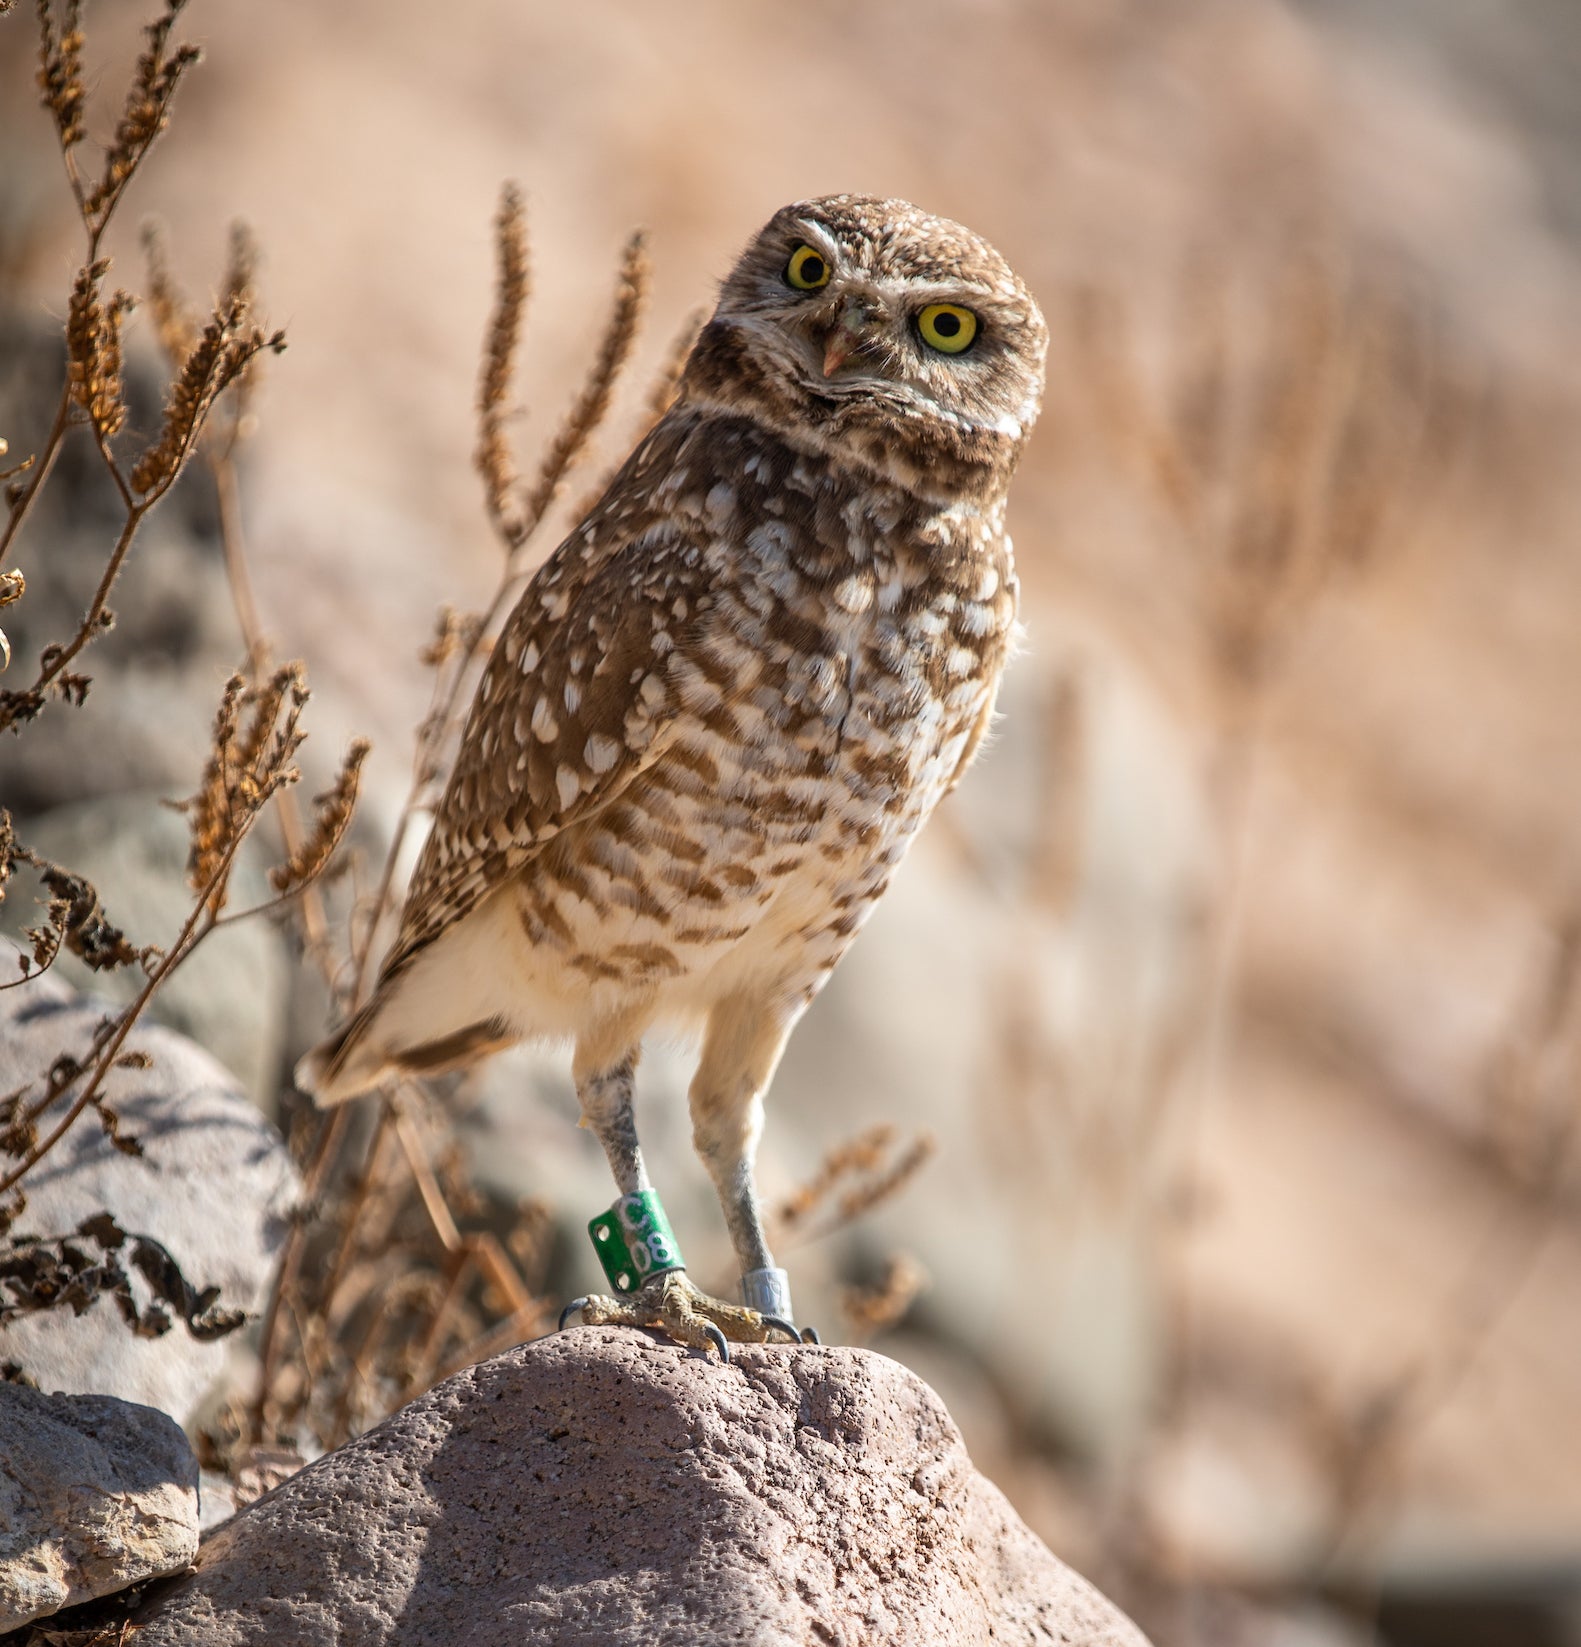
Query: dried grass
{"type": "Point", "coordinates": [591, 406]}
{"type": "Point", "coordinates": [869, 1310]}
{"type": "Point", "coordinates": [853, 1179]}
{"type": "Point", "coordinates": [493, 459]}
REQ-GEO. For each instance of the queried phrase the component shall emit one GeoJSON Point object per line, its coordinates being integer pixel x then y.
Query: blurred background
{"type": "Point", "coordinates": [1238, 987]}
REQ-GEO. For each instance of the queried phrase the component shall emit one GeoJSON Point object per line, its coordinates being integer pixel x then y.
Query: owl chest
{"type": "Point", "coordinates": [814, 735]}
{"type": "Point", "coordinates": [856, 708]}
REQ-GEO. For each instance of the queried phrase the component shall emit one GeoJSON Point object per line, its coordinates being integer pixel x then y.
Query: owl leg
{"type": "Point", "coordinates": [740, 1053]}
{"type": "Point", "coordinates": [606, 1096]}
{"type": "Point", "coordinates": [667, 1300]}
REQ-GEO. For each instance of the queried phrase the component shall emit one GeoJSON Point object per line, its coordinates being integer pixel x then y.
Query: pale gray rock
{"type": "Point", "coordinates": [601, 1486]}
{"type": "Point", "coordinates": [95, 1495]}
{"type": "Point", "coordinates": [215, 1186]}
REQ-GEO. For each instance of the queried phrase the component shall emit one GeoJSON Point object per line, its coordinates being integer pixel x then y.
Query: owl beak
{"type": "Point", "coordinates": [849, 335]}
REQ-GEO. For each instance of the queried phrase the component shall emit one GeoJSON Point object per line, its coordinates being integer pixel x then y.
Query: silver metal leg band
{"type": "Point", "coordinates": [768, 1292]}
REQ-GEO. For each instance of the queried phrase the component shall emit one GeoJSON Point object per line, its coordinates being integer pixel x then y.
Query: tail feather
{"type": "Point", "coordinates": [339, 1067]}
{"type": "Point", "coordinates": [355, 1059]}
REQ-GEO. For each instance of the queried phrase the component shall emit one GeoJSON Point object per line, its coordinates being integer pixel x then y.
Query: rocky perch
{"type": "Point", "coordinates": [601, 1486]}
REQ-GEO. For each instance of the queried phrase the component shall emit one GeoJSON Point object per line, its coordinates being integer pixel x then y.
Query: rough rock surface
{"type": "Point", "coordinates": [95, 1495]}
{"type": "Point", "coordinates": [600, 1486]}
{"type": "Point", "coordinates": [214, 1185]}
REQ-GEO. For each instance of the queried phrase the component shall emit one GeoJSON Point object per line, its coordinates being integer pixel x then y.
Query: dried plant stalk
{"type": "Point", "coordinates": [872, 1309]}
{"type": "Point", "coordinates": [859, 1154]}
{"type": "Point", "coordinates": [590, 407]}
{"type": "Point", "coordinates": [864, 1163]}
{"type": "Point", "coordinates": [60, 70]}
{"type": "Point", "coordinates": [145, 116]}
{"type": "Point", "coordinates": [493, 458]}
{"type": "Point", "coordinates": [173, 322]}
{"type": "Point", "coordinates": [256, 737]}
{"type": "Point", "coordinates": [207, 810]}
{"type": "Point", "coordinates": [216, 360]}
{"type": "Point", "coordinates": [93, 350]}
{"type": "Point", "coordinates": [667, 382]}
{"type": "Point", "coordinates": [332, 817]}
{"type": "Point", "coordinates": [75, 918]}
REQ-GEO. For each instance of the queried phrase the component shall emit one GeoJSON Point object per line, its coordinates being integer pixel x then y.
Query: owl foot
{"type": "Point", "coordinates": [767, 1291]}
{"type": "Point", "coordinates": [672, 1304]}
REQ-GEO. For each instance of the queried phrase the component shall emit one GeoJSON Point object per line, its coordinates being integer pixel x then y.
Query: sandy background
{"type": "Point", "coordinates": [1245, 1009]}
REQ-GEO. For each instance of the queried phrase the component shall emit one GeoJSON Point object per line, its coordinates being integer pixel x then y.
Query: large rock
{"type": "Point", "coordinates": [600, 1486]}
{"type": "Point", "coordinates": [214, 1185]}
{"type": "Point", "coordinates": [95, 1495]}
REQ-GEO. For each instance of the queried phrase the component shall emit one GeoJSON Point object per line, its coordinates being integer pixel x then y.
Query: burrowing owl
{"type": "Point", "coordinates": [728, 701]}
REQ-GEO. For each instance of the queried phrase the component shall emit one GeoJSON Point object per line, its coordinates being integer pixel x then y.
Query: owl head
{"type": "Point", "coordinates": [894, 339]}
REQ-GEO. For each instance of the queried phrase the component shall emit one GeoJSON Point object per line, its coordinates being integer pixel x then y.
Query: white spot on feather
{"type": "Point", "coordinates": [854, 595]}
{"type": "Point", "coordinates": [720, 504]}
{"type": "Point", "coordinates": [601, 752]}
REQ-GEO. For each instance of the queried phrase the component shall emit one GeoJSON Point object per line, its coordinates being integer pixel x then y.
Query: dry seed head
{"type": "Point", "coordinates": [208, 812]}
{"type": "Point", "coordinates": [859, 1154]}
{"type": "Point", "coordinates": [241, 287]}
{"type": "Point", "coordinates": [453, 631]}
{"type": "Point", "coordinates": [45, 940]}
{"type": "Point", "coordinates": [493, 456]}
{"type": "Point", "coordinates": [241, 273]}
{"type": "Point", "coordinates": [667, 384]}
{"type": "Point", "coordinates": [871, 1309]}
{"type": "Point", "coordinates": [865, 1196]}
{"type": "Point", "coordinates": [172, 316]}
{"type": "Point", "coordinates": [252, 745]}
{"type": "Point", "coordinates": [590, 407]}
{"type": "Point", "coordinates": [60, 69]}
{"type": "Point", "coordinates": [220, 355]}
{"type": "Point", "coordinates": [256, 734]}
{"type": "Point", "coordinates": [146, 114]}
{"type": "Point", "coordinates": [332, 814]}
{"type": "Point", "coordinates": [93, 350]}
{"type": "Point", "coordinates": [662, 391]}
{"type": "Point", "coordinates": [84, 929]}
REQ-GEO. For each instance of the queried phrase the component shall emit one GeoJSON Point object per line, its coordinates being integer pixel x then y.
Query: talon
{"type": "Point", "coordinates": [784, 1326]}
{"type": "Point", "coordinates": [576, 1305]}
{"type": "Point", "coordinates": [718, 1340]}
{"type": "Point", "coordinates": [809, 1335]}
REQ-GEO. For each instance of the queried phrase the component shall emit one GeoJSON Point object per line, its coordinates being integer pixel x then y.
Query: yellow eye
{"type": "Point", "coordinates": [947, 327]}
{"type": "Point", "coordinates": [807, 270]}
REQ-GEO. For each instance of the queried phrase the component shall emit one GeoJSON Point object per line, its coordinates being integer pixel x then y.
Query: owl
{"type": "Point", "coordinates": [724, 707]}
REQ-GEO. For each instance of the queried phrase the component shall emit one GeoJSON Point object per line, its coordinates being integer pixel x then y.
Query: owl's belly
{"type": "Point", "coordinates": [741, 862]}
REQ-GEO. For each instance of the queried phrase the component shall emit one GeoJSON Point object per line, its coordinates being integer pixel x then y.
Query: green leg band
{"type": "Point", "coordinates": [634, 1241]}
